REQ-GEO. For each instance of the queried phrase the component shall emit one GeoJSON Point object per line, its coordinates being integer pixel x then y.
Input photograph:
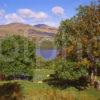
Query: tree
{"type": "Point", "coordinates": [83, 28]}
{"type": "Point", "coordinates": [17, 56]}
{"type": "Point", "coordinates": [81, 32]}
{"type": "Point", "coordinates": [89, 18]}
{"type": "Point", "coordinates": [67, 38]}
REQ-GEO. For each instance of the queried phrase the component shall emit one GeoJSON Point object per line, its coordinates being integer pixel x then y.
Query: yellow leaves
{"type": "Point", "coordinates": [69, 49]}
{"type": "Point", "coordinates": [96, 53]}
{"type": "Point", "coordinates": [84, 62]}
{"type": "Point", "coordinates": [84, 39]}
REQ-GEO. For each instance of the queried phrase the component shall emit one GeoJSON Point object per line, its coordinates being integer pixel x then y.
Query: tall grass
{"type": "Point", "coordinates": [36, 91]}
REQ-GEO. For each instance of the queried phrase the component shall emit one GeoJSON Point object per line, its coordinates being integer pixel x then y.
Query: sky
{"type": "Point", "coordinates": [32, 12]}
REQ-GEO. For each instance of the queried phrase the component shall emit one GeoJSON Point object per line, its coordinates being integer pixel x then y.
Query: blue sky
{"type": "Point", "coordinates": [32, 12]}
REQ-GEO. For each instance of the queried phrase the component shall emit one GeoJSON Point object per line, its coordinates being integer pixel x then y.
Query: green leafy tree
{"type": "Point", "coordinates": [68, 35]}
{"type": "Point", "coordinates": [17, 56]}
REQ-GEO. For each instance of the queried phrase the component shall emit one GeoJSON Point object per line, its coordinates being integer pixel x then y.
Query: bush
{"type": "Point", "coordinates": [67, 73]}
{"type": "Point", "coordinates": [17, 56]}
{"type": "Point", "coordinates": [67, 70]}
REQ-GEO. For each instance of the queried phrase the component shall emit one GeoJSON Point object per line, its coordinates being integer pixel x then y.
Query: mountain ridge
{"type": "Point", "coordinates": [39, 30]}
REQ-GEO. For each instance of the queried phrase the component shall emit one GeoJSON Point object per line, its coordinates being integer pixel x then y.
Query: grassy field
{"type": "Point", "coordinates": [45, 92]}
{"type": "Point", "coordinates": [42, 74]}
{"type": "Point", "coordinates": [42, 91]}
{"type": "Point", "coordinates": [36, 91]}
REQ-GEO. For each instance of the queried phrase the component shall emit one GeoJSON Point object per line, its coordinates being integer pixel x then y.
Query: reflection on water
{"type": "Point", "coordinates": [47, 54]}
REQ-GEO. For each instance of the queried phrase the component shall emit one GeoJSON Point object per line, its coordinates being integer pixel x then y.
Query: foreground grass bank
{"type": "Point", "coordinates": [37, 91]}
{"type": "Point", "coordinates": [42, 91]}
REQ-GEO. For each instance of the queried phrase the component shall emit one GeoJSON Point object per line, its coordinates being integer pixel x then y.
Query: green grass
{"type": "Point", "coordinates": [42, 91]}
{"type": "Point", "coordinates": [41, 74]}
{"type": "Point", "coordinates": [32, 90]}
{"type": "Point", "coordinates": [89, 94]}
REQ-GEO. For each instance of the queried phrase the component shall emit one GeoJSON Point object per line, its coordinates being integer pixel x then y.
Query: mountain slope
{"type": "Point", "coordinates": [45, 28]}
{"type": "Point", "coordinates": [39, 30]}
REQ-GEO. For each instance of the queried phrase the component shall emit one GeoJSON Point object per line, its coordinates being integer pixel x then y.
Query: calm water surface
{"type": "Point", "coordinates": [47, 54]}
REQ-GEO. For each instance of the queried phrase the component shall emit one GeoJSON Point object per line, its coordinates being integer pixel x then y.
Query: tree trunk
{"type": "Point", "coordinates": [93, 75]}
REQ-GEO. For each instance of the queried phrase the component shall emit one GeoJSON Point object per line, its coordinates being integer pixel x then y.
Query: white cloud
{"type": "Point", "coordinates": [57, 10]}
{"type": "Point", "coordinates": [27, 16]}
{"type": "Point", "coordinates": [2, 12]}
{"type": "Point", "coordinates": [25, 13]}
{"type": "Point", "coordinates": [40, 15]}
{"type": "Point", "coordinates": [13, 18]}
{"type": "Point", "coordinates": [28, 13]}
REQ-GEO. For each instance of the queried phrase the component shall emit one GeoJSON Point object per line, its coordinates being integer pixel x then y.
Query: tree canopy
{"type": "Point", "coordinates": [80, 34]}
{"type": "Point", "coordinates": [17, 56]}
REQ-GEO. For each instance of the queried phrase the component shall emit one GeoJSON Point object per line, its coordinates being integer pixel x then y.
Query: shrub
{"type": "Point", "coordinates": [67, 70]}
{"type": "Point", "coordinates": [68, 74]}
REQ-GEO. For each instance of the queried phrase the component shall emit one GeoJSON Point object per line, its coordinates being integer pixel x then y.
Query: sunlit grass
{"type": "Point", "coordinates": [35, 91]}
{"type": "Point", "coordinates": [42, 91]}
{"type": "Point", "coordinates": [41, 74]}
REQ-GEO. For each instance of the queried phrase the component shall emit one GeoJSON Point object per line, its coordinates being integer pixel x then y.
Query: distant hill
{"type": "Point", "coordinates": [46, 28]}
{"type": "Point", "coordinates": [40, 30]}
{"type": "Point", "coordinates": [41, 26]}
